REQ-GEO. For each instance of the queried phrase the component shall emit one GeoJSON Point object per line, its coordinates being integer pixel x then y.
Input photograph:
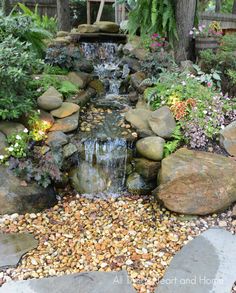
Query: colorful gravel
{"type": "Point", "coordinates": [130, 233]}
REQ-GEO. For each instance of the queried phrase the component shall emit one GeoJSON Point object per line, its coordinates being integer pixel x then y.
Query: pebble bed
{"type": "Point", "coordinates": [130, 233]}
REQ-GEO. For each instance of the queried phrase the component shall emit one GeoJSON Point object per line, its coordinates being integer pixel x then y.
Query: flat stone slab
{"type": "Point", "coordinates": [207, 264]}
{"type": "Point", "coordinates": [14, 246]}
{"type": "Point", "coordinates": [92, 282]}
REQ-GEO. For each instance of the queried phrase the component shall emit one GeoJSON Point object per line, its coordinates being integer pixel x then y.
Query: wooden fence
{"type": "Point", "coordinates": [227, 21]}
{"type": "Point", "coordinates": [48, 7]}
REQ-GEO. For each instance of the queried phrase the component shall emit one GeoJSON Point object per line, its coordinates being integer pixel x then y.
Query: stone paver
{"type": "Point", "coordinates": [205, 265]}
{"type": "Point", "coordinates": [14, 246]}
{"type": "Point", "coordinates": [92, 282]}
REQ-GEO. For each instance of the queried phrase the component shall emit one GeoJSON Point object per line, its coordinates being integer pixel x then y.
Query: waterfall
{"type": "Point", "coordinates": [105, 156]}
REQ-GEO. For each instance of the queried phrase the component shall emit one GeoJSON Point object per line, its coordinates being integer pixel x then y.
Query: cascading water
{"type": "Point", "coordinates": [105, 151]}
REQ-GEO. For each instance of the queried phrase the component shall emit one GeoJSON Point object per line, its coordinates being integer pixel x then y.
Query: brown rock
{"type": "Point", "coordinates": [146, 168]}
{"type": "Point", "coordinates": [65, 110]}
{"type": "Point", "coordinates": [87, 28]}
{"type": "Point", "coordinates": [66, 124]}
{"type": "Point", "coordinates": [9, 127]}
{"type": "Point", "coordinates": [107, 26]}
{"type": "Point", "coordinates": [198, 183]}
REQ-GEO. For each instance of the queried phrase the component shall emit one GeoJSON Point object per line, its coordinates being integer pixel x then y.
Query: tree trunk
{"type": "Point", "coordinates": [184, 13]}
{"type": "Point", "coordinates": [63, 15]}
{"type": "Point", "coordinates": [6, 7]}
{"type": "Point", "coordinates": [234, 7]}
{"type": "Point", "coordinates": [218, 6]}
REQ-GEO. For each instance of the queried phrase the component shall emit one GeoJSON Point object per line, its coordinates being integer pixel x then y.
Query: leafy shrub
{"type": "Point", "coordinates": [48, 69]}
{"type": "Point", "coordinates": [17, 63]}
{"type": "Point", "coordinates": [43, 168]}
{"type": "Point", "coordinates": [200, 111]}
{"type": "Point", "coordinates": [45, 22]}
{"type": "Point", "coordinates": [24, 28]}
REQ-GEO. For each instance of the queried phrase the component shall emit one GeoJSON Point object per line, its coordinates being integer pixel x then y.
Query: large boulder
{"type": "Point", "coordinates": [50, 100]}
{"type": "Point", "coordinates": [136, 184]}
{"type": "Point", "coordinates": [3, 144]}
{"type": "Point", "coordinates": [67, 124]}
{"type": "Point", "coordinates": [228, 138]}
{"type": "Point", "coordinates": [151, 147]}
{"type": "Point", "coordinates": [65, 110]}
{"type": "Point", "coordinates": [107, 26]}
{"type": "Point", "coordinates": [18, 197]}
{"type": "Point", "coordinates": [138, 118]}
{"type": "Point", "coordinates": [9, 127]}
{"type": "Point", "coordinates": [162, 122]}
{"type": "Point", "coordinates": [197, 183]}
{"type": "Point", "coordinates": [87, 179]}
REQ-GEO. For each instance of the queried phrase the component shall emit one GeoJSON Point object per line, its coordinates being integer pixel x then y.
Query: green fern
{"type": "Point", "coordinates": [153, 16]}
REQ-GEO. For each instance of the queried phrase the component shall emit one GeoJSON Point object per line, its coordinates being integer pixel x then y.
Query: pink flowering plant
{"type": "Point", "coordinates": [213, 30]}
{"type": "Point", "coordinates": [157, 42]}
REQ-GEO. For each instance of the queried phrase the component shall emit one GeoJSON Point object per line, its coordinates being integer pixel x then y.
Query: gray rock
{"type": "Point", "coordinates": [196, 182]}
{"type": "Point", "coordinates": [57, 139]}
{"type": "Point", "coordinates": [138, 118]}
{"type": "Point", "coordinates": [92, 282]}
{"type": "Point", "coordinates": [206, 264]}
{"type": "Point", "coordinates": [69, 150]}
{"type": "Point", "coordinates": [80, 79]}
{"type": "Point", "coordinates": [67, 124]}
{"type": "Point", "coordinates": [84, 66]}
{"type": "Point", "coordinates": [87, 179]}
{"type": "Point", "coordinates": [146, 168]}
{"type": "Point", "coordinates": [9, 127]}
{"type": "Point", "coordinates": [162, 122]}
{"type": "Point", "coordinates": [65, 110]}
{"type": "Point", "coordinates": [50, 100]}
{"type": "Point", "coordinates": [228, 138]}
{"type": "Point", "coordinates": [3, 144]}
{"type": "Point", "coordinates": [136, 184]}
{"type": "Point", "coordinates": [13, 247]}
{"type": "Point", "coordinates": [151, 147]}
{"type": "Point", "coordinates": [132, 63]}
{"type": "Point", "coordinates": [15, 197]}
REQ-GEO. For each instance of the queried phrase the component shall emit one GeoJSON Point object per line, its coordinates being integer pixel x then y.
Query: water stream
{"type": "Point", "coordinates": [105, 149]}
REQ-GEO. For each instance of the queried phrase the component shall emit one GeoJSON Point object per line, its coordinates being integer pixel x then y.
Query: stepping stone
{"type": "Point", "coordinates": [13, 247]}
{"type": "Point", "coordinates": [92, 282]}
{"type": "Point", "coordinates": [207, 264]}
